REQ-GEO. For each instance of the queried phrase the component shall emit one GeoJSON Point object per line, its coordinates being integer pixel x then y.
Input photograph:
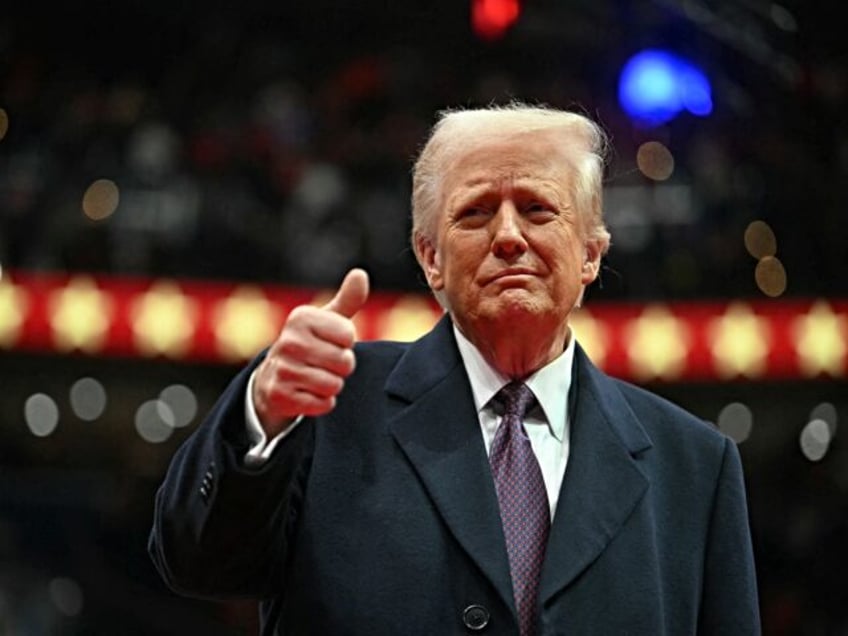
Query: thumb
{"type": "Point", "coordinates": [351, 295]}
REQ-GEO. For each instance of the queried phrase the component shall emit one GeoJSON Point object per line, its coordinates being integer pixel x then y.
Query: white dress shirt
{"type": "Point", "coordinates": [260, 446]}
{"type": "Point", "coordinates": [547, 425]}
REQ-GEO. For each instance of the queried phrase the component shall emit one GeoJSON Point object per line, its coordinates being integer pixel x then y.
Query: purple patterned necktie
{"type": "Point", "coordinates": [523, 501]}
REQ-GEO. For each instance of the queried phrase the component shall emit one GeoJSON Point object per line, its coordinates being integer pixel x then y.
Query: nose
{"type": "Point", "coordinates": [508, 240]}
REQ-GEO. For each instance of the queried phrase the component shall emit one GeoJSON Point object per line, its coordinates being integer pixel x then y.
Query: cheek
{"type": "Point", "coordinates": [464, 254]}
{"type": "Point", "coordinates": [457, 273]}
{"type": "Point", "coordinates": [566, 261]}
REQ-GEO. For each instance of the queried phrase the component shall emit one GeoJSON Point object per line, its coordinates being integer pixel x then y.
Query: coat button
{"type": "Point", "coordinates": [475, 617]}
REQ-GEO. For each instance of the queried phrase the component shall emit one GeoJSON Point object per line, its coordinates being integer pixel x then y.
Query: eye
{"type": "Point", "coordinates": [473, 215]}
{"type": "Point", "coordinates": [539, 209]}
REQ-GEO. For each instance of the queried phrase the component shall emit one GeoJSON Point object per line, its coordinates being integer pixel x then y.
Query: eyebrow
{"type": "Point", "coordinates": [478, 186]}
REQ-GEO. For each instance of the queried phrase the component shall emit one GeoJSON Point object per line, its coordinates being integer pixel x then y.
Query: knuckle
{"type": "Point", "coordinates": [334, 385]}
{"type": "Point", "coordinates": [318, 406]}
{"type": "Point", "coordinates": [347, 362]}
{"type": "Point", "coordinates": [291, 345]}
{"type": "Point", "coordinates": [325, 385]}
{"type": "Point", "coordinates": [300, 313]}
{"type": "Point", "coordinates": [287, 373]}
{"type": "Point", "coordinates": [349, 332]}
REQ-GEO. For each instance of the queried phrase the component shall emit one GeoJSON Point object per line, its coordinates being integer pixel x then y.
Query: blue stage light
{"type": "Point", "coordinates": [655, 86]}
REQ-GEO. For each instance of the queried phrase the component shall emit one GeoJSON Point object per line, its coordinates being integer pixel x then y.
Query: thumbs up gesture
{"type": "Point", "coordinates": [306, 366]}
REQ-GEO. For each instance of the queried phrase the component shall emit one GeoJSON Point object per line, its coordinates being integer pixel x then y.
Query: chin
{"type": "Point", "coordinates": [518, 307]}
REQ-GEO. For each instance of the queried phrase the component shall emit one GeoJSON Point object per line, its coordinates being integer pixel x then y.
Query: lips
{"type": "Point", "coordinates": [507, 273]}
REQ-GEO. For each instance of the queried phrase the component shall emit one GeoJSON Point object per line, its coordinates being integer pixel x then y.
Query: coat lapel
{"type": "Point", "coordinates": [440, 434]}
{"type": "Point", "coordinates": [602, 482]}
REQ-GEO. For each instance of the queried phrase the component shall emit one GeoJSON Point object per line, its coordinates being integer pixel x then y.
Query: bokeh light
{"type": "Point", "coordinates": [100, 199]}
{"type": "Point", "coordinates": [815, 440]}
{"type": "Point", "coordinates": [736, 421]}
{"type": "Point", "coordinates": [760, 240]}
{"type": "Point", "coordinates": [4, 123]}
{"type": "Point", "coordinates": [88, 399]}
{"type": "Point", "coordinates": [783, 18]}
{"type": "Point", "coordinates": [655, 161]}
{"type": "Point", "coordinates": [41, 414]}
{"type": "Point", "coordinates": [827, 412]}
{"type": "Point", "coordinates": [770, 276]}
{"type": "Point", "coordinates": [154, 421]}
{"type": "Point", "coordinates": [66, 595]}
{"type": "Point", "coordinates": [490, 19]}
{"type": "Point", "coordinates": [181, 402]}
{"type": "Point", "coordinates": [655, 85]}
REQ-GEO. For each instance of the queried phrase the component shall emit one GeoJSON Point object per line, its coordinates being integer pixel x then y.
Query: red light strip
{"type": "Point", "coordinates": [229, 322]}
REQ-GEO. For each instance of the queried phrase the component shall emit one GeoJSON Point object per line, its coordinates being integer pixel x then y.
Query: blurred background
{"type": "Point", "coordinates": [174, 177]}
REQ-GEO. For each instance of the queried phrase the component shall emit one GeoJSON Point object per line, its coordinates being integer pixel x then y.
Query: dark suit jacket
{"type": "Point", "coordinates": [381, 518]}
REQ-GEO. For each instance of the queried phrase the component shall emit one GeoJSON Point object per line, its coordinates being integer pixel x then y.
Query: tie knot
{"type": "Point", "coordinates": [517, 399]}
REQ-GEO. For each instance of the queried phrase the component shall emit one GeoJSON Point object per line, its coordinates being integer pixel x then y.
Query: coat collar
{"type": "Point", "coordinates": [439, 433]}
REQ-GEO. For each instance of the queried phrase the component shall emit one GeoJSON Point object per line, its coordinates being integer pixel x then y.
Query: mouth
{"type": "Point", "coordinates": [516, 274]}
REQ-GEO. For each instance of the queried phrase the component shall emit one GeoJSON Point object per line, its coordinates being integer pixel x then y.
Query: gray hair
{"type": "Point", "coordinates": [458, 131]}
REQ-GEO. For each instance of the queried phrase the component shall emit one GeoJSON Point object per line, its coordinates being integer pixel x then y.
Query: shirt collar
{"type": "Point", "coordinates": [550, 384]}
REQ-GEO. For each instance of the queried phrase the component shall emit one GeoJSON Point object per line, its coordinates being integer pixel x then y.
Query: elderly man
{"type": "Point", "coordinates": [486, 478]}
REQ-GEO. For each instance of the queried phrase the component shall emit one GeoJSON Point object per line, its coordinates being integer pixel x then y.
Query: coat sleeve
{"type": "Point", "coordinates": [221, 528]}
{"type": "Point", "coordinates": [729, 604]}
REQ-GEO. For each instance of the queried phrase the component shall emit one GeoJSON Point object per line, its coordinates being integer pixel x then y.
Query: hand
{"type": "Point", "coordinates": [306, 366]}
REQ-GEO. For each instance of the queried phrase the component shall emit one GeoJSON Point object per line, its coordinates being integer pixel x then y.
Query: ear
{"type": "Point", "coordinates": [591, 261]}
{"type": "Point", "coordinates": [429, 260]}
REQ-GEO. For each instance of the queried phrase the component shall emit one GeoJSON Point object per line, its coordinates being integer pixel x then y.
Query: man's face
{"type": "Point", "coordinates": [509, 250]}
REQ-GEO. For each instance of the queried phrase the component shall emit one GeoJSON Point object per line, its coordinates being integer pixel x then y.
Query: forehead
{"type": "Point", "coordinates": [528, 159]}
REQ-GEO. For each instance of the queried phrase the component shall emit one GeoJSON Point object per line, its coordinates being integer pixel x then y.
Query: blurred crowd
{"type": "Point", "coordinates": [261, 148]}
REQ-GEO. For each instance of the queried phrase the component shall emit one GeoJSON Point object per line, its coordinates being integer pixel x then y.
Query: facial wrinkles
{"type": "Point", "coordinates": [510, 160]}
{"type": "Point", "coordinates": [492, 192]}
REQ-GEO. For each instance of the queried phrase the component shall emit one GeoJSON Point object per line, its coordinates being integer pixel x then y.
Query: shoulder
{"type": "Point", "coordinates": [652, 405]}
{"type": "Point", "coordinates": [376, 359]}
{"type": "Point", "coordinates": [679, 435]}
{"type": "Point", "coordinates": [377, 351]}
{"type": "Point", "coordinates": [417, 363]}
{"type": "Point", "coordinates": [656, 415]}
